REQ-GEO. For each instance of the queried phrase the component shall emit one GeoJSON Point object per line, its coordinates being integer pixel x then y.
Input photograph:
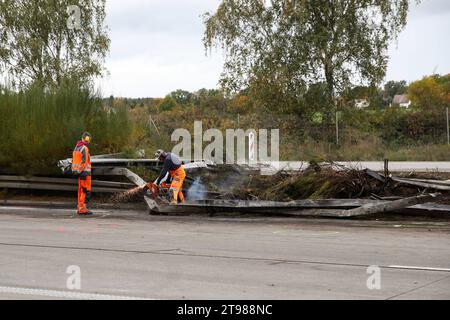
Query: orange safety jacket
{"type": "Point", "coordinates": [81, 159]}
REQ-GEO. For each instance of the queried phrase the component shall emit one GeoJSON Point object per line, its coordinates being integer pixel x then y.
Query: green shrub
{"type": "Point", "coordinates": [40, 126]}
{"type": "Point", "coordinates": [167, 104]}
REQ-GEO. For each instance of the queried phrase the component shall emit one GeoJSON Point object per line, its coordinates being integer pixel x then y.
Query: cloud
{"type": "Point", "coordinates": [141, 77]}
{"type": "Point", "coordinates": [427, 8]}
{"type": "Point", "coordinates": [183, 17]}
{"type": "Point", "coordinates": [156, 47]}
{"type": "Point", "coordinates": [421, 48]}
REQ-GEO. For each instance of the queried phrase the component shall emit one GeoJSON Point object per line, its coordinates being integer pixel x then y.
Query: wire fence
{"type": "Point", "coordinates": [408, 129]}
{"type": "Point", "coordinates": [398, 134]}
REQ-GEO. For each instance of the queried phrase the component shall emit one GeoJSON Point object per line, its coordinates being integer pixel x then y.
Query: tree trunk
{"type": "Point", "coordinates": [329, 77]}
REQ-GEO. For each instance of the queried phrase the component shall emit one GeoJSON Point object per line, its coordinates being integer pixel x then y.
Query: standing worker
{"type": "Point", "coordinates": [173, 166]}
{"type": "Point", "coordinates": [81, 166]}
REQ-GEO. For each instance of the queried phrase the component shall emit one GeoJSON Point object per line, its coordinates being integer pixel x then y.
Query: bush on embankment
{"type": "Point", "coordinates": [40, 126]}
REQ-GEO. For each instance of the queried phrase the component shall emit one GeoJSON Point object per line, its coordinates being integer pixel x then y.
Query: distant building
{"type": "Point", "coordinates": [401, 100]}
{"type": "Point", "coordinates": [362, 103]}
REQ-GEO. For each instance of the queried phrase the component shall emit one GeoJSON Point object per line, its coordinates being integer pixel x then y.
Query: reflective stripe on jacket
{"type": "Point", "coordinates": [81, 160]}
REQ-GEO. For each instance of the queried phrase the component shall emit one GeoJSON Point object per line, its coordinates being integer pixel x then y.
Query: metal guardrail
{"type": "Point", "coordinates": [60, 184]}
{"type": "Point", "coordinates": [98, 183]}
{"type": "Point", "coordinates": [100, 162]}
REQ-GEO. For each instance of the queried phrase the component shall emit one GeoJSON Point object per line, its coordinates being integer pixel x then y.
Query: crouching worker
{"type": "Point", "coordinates": [81, 166]}
{"type": "Point", "coordinates": [173, 166]}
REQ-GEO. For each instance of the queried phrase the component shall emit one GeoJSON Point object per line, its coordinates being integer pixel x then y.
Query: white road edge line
{"type": "Point", "coordinates": [419, 268]}
{"type": "Point", "coordinates": [65, 294]}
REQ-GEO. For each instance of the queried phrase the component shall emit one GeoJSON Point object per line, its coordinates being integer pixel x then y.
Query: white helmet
{"type": "Point", "coordinates": [160, 154]}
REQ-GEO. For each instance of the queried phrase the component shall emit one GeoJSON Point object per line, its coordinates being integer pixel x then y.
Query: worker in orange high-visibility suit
{"type": "Point", "coordinates": [81, 166]}
{"type": "Point", "coordinates": [174, 167]}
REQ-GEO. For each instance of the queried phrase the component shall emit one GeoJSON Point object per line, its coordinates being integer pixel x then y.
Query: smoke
{"type": "Point", "coordinates": [231, 177]}
{"type": "Point", "coordinates": [197, 191]}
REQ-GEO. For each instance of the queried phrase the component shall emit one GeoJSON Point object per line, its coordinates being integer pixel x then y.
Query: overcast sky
{"type": "Point", "coordinates": [156, 46]}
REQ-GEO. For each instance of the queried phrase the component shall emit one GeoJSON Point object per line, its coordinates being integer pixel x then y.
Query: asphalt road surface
{"type": "Point", "coordinates": [51, 254]}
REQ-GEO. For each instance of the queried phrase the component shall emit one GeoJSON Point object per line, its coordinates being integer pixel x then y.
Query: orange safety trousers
{"type": "Point", "coordinates": [176, 186]}
{"type": "Point", "coordinates": [84, 193]}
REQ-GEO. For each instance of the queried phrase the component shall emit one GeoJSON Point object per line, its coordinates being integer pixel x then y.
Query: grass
{"type": "Point", "coordinates": [366, 151]}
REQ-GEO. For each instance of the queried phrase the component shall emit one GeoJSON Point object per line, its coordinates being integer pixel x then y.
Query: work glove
{"type": "Point", "coordinates": [83, 175]}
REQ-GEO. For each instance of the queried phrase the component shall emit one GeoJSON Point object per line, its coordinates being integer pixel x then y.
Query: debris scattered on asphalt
{"type": "Point", "coordinates": [324, 182]}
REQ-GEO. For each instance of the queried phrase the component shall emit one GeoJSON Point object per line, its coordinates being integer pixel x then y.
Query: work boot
{"type": "Point", "coordinates": [84, 212]}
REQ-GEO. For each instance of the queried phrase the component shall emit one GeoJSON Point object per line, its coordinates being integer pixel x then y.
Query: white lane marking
{"type": "Point", "coordinates": [65, 294]}
{"type": "Point", "coordinates": [419, 268]}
